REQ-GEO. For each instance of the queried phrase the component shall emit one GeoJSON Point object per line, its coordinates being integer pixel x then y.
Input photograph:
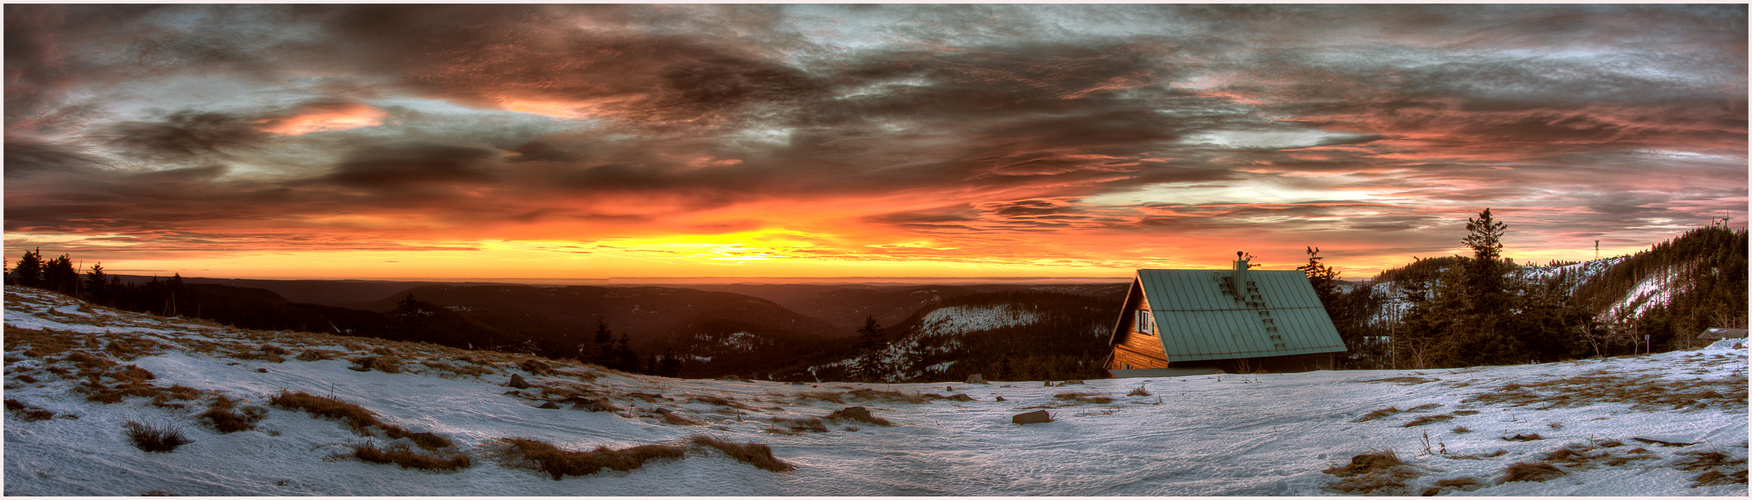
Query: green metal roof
{"type": "Point", "coordinates": [1198, 318]}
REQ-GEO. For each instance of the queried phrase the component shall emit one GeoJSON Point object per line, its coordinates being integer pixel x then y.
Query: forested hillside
{"type": "Point", "coordinates": [1483, 309]}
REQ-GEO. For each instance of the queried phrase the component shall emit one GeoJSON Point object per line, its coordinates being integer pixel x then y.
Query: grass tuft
{"type": "Point", "coordinates": [151, 438]}
{"type": "Point", "coordinates": [1138, 392]}
{"type": "Point", "coordinates": [1523, 437]}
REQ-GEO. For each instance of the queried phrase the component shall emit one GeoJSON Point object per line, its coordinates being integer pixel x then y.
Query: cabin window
{"type": "Point", "coordinates": [1145, 326]}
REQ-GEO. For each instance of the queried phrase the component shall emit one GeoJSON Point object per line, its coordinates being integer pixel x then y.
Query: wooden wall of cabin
{"type": "Point", "coordinates": [1135, 350]}
{"type": "Point", "coordinates": [1271, 364]}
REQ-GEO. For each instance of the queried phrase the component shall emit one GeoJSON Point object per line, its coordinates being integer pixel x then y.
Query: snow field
{"type": "Point", "coordinates": [1267, 434]}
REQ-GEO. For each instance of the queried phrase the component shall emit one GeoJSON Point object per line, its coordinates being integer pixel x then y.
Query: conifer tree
{"type": "Point", "coordinates": [871, 346]}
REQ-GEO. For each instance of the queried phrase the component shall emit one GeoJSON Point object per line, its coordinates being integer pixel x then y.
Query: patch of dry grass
{"type": "Point", "coordinates": [1083, 397]}
{"type": "Point", "coordinates": [1384, 412]}
{"type": "Point", "coordinates": [224, 416]}
{"type": "Point", "coordinates": [1642, 392]}
{"type": "Point", "coordinates": [409, 459]}
{"type": "Point", "coordinates": [1400, 380]}
{"type": "Point", "coordinates": [1379, 472]}
{"type": "Point", "coordinates": [1706, 460]}
{"type": "Point", "coordinates": [537, 455]}
{"type": "Point", "coordinates": [756, 454]}
{"type": "Point", "coordinates": [1531, 471]}
{"type": "Point", "coordinates": [359, 419]}
{"type": "Point", "coordinates": [1717, 478]}
{"type": "Point", "coordinates": [796, 426]}
{"type": "Point", "coordinates": [671, 418]}
{"type": "Point", "coordinates": [386, 364]}
{"type": "Point", "coordinates": [1428, 419]}
{"type": "Point", "coordinates": [860, 414]}
{"type": "Point", "coordinates": [27, 412]}
{"type": "Point", "coordinates": [98, 392]}
{"type": "Point", "coordinates": [316, 355]}
{"type": "Point", "coordinates": [1523, 437]}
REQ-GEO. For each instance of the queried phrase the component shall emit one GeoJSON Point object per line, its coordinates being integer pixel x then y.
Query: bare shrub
{"type": "Point", "coordinates": [151, 438]}
{"type": "Point", "coordinates": [408, 459]}
{"type": "Point", "coordinates": [541, 456]}
{"type": "Point", "coordinates": [1138, 392]}
{"type": "Point", "coordinates": [756, 454]}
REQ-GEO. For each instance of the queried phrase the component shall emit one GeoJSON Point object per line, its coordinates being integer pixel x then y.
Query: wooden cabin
{"type": "Point", "coordinates": [1188, 322]}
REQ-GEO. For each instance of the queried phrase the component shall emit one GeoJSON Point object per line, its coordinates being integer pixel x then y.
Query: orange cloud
{"type": "Point", "coordinates": [324, 118]}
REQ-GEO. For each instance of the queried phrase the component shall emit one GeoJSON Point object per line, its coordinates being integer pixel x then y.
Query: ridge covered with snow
{"type": "Point", "coordinates": [1666, 424]}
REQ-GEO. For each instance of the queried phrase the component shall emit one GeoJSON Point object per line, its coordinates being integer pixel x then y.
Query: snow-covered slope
{"type": "Point", "coordinates": [1649, 425]}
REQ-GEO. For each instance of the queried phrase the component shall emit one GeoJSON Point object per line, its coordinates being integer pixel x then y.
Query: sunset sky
{"type": "Point", "coordinates": [807, 141]}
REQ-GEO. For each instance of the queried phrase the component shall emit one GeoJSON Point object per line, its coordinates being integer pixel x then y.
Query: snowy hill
{"type": "Point", "coordinates": [1665, 424]}
{"type": "Point", "coordinates": [1007, 335]}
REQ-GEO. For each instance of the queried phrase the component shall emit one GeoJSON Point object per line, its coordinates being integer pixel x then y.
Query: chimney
{"type": "Point", "coordinates": [1240, 271]}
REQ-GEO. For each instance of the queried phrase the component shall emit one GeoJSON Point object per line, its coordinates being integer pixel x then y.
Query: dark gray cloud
{"type": "Point", "coordinates": [979, 119]}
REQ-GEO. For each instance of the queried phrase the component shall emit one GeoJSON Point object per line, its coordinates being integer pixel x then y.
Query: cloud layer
{"type": "Point", "coordinates": [1037, 138]}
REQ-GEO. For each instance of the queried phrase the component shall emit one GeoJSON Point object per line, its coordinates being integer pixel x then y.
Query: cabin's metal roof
{"type": "Point", "coordinates": [1198, 318]}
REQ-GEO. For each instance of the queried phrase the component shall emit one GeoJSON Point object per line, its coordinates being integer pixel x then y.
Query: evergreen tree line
{"type": "Point", "coordinates": [166, 297]}
{"type": "Point", "coordinates": [411, 320]}
{"type": "Point", "coordinates": [1483, 309]}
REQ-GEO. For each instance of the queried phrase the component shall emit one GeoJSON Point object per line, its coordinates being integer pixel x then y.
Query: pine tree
{"type": "Point", "coordinates": [59, 275]}
{"type": "Point", "coordinates": [97, 284]}
{"type": "Point", "coordinates": [30, 269]}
